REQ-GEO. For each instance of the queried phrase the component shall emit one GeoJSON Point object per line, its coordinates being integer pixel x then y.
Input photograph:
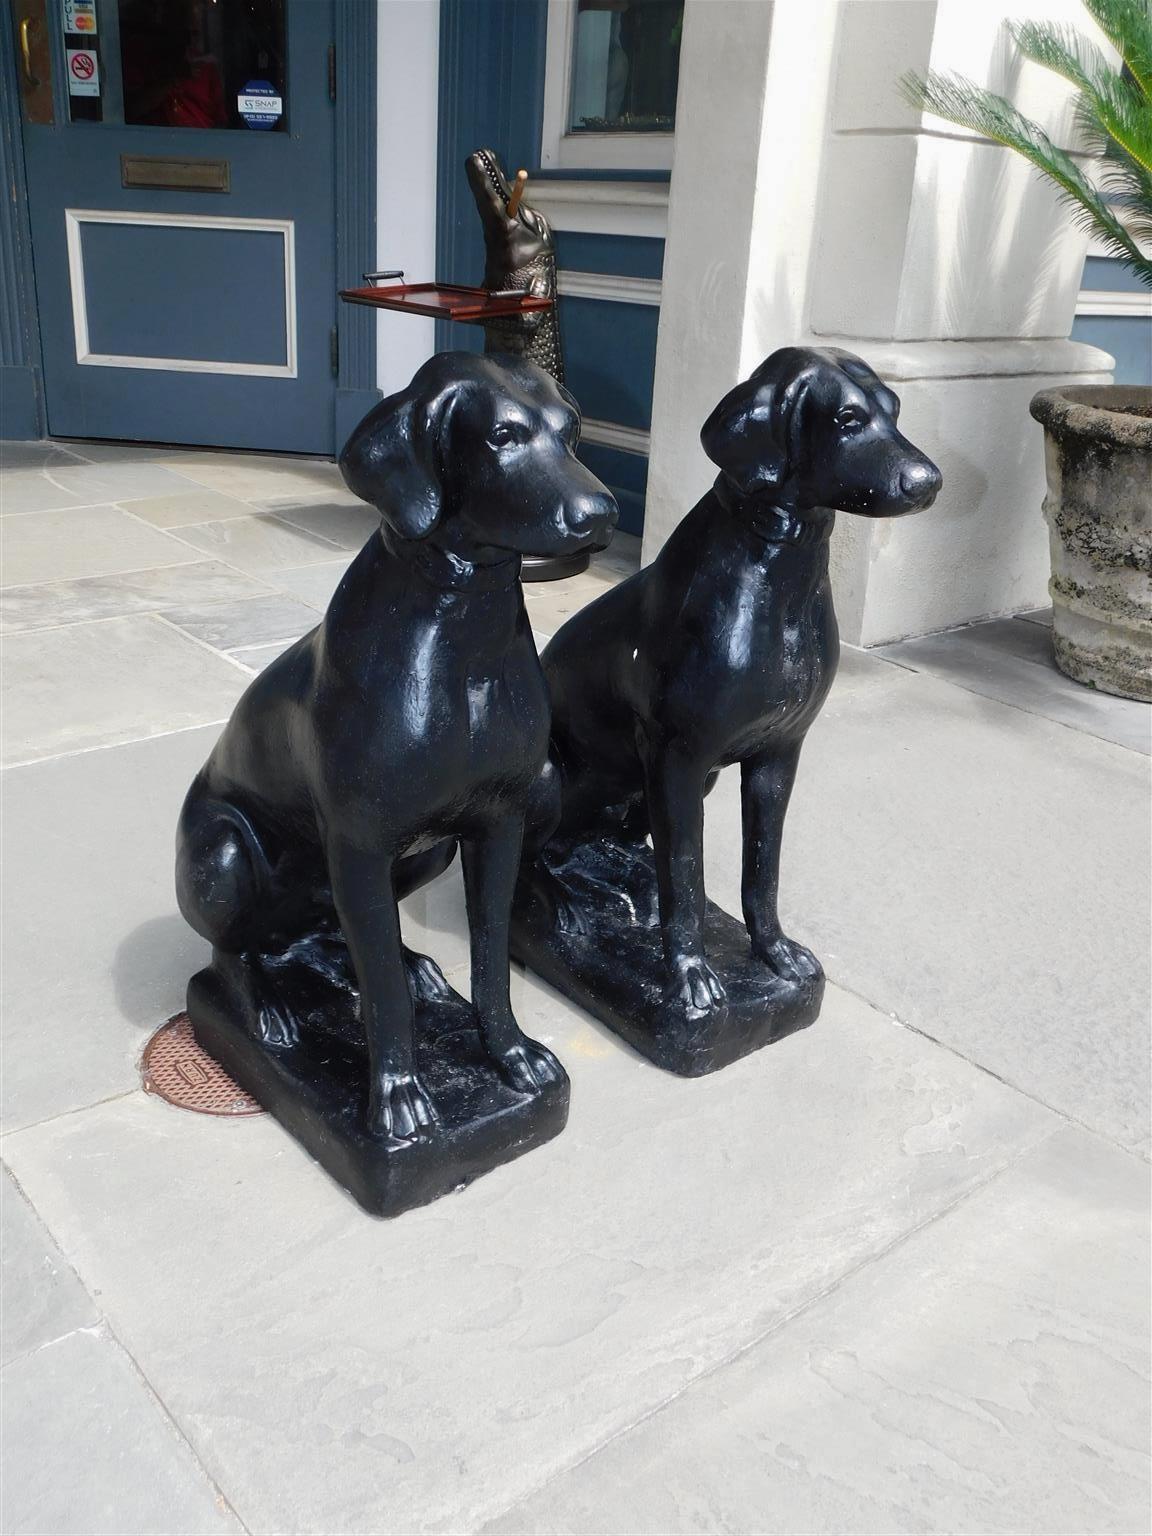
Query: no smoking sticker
{"type": "Point", "coordinates": [83, 73]}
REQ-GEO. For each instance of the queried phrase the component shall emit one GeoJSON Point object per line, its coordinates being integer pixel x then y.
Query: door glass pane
{"type": "Point", "coordinates": [203, 63]}
{"type": "Point", "coordinates": [626, 61]}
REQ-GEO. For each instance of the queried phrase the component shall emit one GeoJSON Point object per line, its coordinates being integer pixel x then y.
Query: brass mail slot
{"type": "Point", "coordinates": [174, 174]}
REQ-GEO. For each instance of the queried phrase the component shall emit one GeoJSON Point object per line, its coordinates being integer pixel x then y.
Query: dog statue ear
{"type": "Point", "coordinates": [749, 434]}
{"type": "Point", "coordinates": [392, 459]}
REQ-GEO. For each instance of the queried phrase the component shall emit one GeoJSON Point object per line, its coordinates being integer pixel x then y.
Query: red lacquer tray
{"type": "Point", "coordinates": [446, 301]}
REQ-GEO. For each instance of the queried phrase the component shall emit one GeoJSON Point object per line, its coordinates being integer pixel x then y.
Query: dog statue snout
{"type": "Point", "coordinates": [593, 517]}
{"type": "Point", "coordinates": [920, 483]}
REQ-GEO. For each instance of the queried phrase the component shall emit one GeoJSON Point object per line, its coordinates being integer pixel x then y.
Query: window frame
{"type": "Point", "coordinates": [561, 150]}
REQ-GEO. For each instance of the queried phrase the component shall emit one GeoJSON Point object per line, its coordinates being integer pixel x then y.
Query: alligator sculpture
{"type": "Point", "coordinates": [519, 254]}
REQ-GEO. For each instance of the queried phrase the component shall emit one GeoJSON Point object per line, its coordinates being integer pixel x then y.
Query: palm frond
{"type": "Point", "coordinates": [960, 101]}
{"type": "Point", "coordinates": [1111, 107]}
{"type": "Point", "coordinates": [1063, 50]}
{"type": "Point", "coordinates": [1127, 24]}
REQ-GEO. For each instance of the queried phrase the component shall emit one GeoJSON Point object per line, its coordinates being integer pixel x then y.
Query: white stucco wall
{"type": "Point", "coordinates": [408, 64]}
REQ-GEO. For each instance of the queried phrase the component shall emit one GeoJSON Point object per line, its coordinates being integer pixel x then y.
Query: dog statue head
{"type": "Point", "coordinates": [477, 455]}
{"type": "Point", "coordinates": [815, 428]}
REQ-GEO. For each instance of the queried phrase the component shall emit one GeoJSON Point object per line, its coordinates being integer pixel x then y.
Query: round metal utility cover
{"type": "Point", "coordinates": [176, 1068]}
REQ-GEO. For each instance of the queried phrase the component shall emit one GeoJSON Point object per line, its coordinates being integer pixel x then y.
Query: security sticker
{"type": "Point", "coordinates": [260, 104]}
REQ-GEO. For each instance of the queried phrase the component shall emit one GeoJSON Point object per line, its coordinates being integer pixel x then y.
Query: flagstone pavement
{"type": "Point", "coordinates": [890, 1275]}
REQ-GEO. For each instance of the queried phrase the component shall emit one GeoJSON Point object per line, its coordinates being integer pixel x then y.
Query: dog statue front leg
{"type": "Point", "coordinates": [765, 789]}
{"type": "Point", "coordinates": [674, 788]}
{"type": "Point", "coordinates": [491, 861]}
{"type": "Point", "coordinates": [362, 887]}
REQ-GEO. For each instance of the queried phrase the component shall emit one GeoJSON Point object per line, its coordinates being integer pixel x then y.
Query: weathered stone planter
{"type": "Point", "coordinates": [1098, 443]}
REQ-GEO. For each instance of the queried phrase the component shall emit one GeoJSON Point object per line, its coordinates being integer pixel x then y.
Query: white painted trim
{"type": "Point", "coordinates": [1107, 301]}
{"type": "Point", "coordinates": [407, 76]}
{"type": "Point", "coordinates": [611, 152]}
{"type": "Point", "coordinates": [285, 228]}
{"type": "Point", "coordinates": [561, 29]}
{"type": "Point", "coordinates": [609, 286]}
{"type": "Point", "coordinates": [609, 435]}
{"type": "Point", "coordinates": [561, 150]}
{"type": "Point", "coordinates": [604, 207]}
{"type": "Point", "coordinates": [997, 358]}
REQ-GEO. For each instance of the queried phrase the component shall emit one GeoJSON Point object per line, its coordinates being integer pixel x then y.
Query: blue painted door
{"type": "Point", "coordinates": [183, 222]}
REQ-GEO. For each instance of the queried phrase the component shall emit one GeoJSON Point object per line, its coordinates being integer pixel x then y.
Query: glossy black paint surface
{"type": "Point", "coordinates": [721, 651]}
{"type": "Point", "coordinates": [413, 718]}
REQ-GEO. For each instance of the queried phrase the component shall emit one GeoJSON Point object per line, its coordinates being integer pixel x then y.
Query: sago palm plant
{"type": "Point", "coordinates": [1113, 114]}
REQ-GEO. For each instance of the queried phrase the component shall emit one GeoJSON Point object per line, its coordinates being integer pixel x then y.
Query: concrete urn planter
{"type": "Point", "coordinates": [1098, 446]}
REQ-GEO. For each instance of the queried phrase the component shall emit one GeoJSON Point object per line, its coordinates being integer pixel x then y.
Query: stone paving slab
{"type": "Point", "coordinates": [42, 1297]}
{"type": "Point", "coordinates": [96, 955]}
{"type": "Point", "coordinates": [1011, 660]}
{"type": "Point", "coordinates": [338, 1374]}
{"type": "Point", "coordinates": [259, 544]}
{"type": "Point", "coordinates": [981, 873]}
{"type": "Point", "coordinates": [55, 487]}
{"type": "Point", "coordinates": [106, 682]}
{"type": "Point", "coordinates": [349, 523]}
{"type": "Point", "coordinates": [230, 626]}
{"type": "Point", "coordinates": [312, 584]}
{"type": "Point", "coordinates": [49, 604]}
{"type": "Point", "coordinates": [988, 1375]}
{"type": "Point", "coordinates": [88, 1449]}
{"type": "Point", "coordinates": [51, 547]}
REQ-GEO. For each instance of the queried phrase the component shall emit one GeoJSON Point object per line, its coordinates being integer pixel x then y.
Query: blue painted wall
{"type": "Point", "coordinates": [1127, 337]}
{"type": "Point", "coordinates": [621, 255]}
{"type": "Point", "coordinates": [491, 96]}
{"type": "Point", "coordinates": [627, 474]}
{"type": "Point", "coordinates": [1107, 273]}
{"type": "Point", "coordinates": [1129, 340]}
{"type": "Point", "coordinates": [610, 358]}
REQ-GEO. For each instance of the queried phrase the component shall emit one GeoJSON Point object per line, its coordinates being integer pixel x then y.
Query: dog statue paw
{"type": "Point", "coordinates": [528, 1066]}
{"type": "Point", "coordinates": [412, 720]}
{"type": "Point", "coordinates": [696, 988]}
{"type": "Point", "coordinates": [788, 959]}
{"type": "Point", "coordinates": [400, 1108]}
{"type": "Point", "coordinates": [427, 980]}
{"type": "Point", "coordinates": [720, 652]}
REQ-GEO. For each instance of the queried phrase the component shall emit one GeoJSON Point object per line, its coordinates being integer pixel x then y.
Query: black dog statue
{"type": "Point", "coordinates": [413, 718]}
{"type": "Point", "coordinates": [721, 651]}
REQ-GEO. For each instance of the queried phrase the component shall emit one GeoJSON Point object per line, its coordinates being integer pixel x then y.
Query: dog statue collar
{"type": "Point", "coordinates": [772, 523]}
{"type": "Point", "coordinates": [446, 569]}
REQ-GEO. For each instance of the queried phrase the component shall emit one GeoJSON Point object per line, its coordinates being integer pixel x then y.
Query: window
{"type": "Point", "coordinates": [626, 56]}
{"type": "Point", "coordinates": [203, 63]}
{"type": "Point", "coordinates": [610, 89]}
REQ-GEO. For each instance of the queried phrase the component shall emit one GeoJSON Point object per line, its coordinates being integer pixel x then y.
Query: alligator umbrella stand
{"type": "Point", "coordinates": [469, 306]}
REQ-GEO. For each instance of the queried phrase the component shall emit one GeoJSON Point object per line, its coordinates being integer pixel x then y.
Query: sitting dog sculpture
{"type": "Point", "coordinates": [413, 716]}
{"type": "Point", "coordinates": [721, 651]}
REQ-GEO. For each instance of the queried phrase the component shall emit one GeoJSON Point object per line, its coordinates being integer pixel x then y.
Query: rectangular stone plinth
{"type": "Point", "coordinates": [616, 971]}
{"type": "Point", "coordinates": [318, 1090]}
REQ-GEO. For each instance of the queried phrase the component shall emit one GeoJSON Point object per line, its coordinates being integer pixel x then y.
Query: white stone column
{"type": "Point", "coordinates": [741, 216]}
{"type": "Point", "coordinates": [844, 218]}
{"type": "Point", "coordinates": [407, 108]}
